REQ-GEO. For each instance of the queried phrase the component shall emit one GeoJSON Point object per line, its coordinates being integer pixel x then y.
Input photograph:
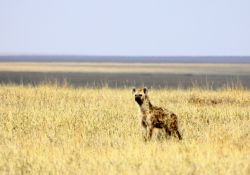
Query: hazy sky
{"type": "Point", "coordinates": [128, 27]}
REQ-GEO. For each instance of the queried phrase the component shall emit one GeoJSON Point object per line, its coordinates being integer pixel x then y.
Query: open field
{"type": "Point", "coordinates": [126, 74]}
{"type": "Point", "coordinates": [171, 68]}
{"type": "Point", "coordinates": [62, 130]}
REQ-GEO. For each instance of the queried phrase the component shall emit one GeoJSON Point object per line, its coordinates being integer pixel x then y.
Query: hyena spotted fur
{"type": "Point", "coordinates": [154, 117]}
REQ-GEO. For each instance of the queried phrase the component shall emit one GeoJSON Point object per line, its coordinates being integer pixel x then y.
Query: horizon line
{"type": "Point", "coordinates": [115, 55]}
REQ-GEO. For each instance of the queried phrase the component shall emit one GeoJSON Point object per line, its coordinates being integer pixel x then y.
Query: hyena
{"type": "Point", "coordinates": [154, 117]}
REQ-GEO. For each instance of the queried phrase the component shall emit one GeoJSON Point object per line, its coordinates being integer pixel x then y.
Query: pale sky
{"type": "Point", "coordinates": [128, 27]}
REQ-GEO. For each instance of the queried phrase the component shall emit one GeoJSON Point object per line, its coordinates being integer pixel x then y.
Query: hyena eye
{"type": "Point", "coordinates": [140, 95]}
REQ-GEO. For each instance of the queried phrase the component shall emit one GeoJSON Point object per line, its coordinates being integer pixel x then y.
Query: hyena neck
{"type": "Point", "coordinates": [146, 106]}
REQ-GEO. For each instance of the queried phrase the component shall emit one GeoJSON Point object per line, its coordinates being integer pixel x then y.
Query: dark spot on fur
{"type": "Point", "coordinates": [143, 123]}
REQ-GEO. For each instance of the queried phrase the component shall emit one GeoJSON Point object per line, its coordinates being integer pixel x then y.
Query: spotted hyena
{"type": "Point", "coordinates": [154, 117]}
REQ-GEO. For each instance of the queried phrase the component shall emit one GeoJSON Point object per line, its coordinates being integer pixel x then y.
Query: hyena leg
{"type": "Point", "coordinates": [178, 134]}
{"type": "Point", "coordinates": [149, 133]}
{"type": "Point", "coordinates": [168, 133]}
{"type": "Point", "coordinates": [174, 127]}
{"type": "Point", "coordinates": [144, 130]}
{"type": "Point", "coordinates": [144, 134]}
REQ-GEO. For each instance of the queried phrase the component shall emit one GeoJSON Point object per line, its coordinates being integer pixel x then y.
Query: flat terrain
{"type": "Point", "coordinates": [126, 74]}
{"type": "Point", "coordinates": [176, 68]}
{"type": "Point", "coordinates": [62, 130]}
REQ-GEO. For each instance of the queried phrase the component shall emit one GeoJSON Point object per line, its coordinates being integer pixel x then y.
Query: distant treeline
{"type": "Point", "coordinates": [123, 80]}
{"type": "Point", "coordinates": [127, 59]}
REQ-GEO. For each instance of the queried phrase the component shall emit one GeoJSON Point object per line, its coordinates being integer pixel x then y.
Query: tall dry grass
{"type": "Point", "coordinates": [61, 130]}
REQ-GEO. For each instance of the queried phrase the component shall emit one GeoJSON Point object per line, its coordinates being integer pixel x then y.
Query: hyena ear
{"type": "Point", "coordinates": [145, 90]}
{"type": "Point", "coordinates": [133, 90]}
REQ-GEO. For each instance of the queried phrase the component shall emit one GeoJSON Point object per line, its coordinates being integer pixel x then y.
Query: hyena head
{"type": "Point", "coordinates": [140, 95]}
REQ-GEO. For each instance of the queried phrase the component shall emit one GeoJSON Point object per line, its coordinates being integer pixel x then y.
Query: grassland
{"type": "Point", "coordinates": [170, 68]}
{"type": "Point", "coordinates": [158, 75]}
{"type": "Point", "coordinates": [49, 129]}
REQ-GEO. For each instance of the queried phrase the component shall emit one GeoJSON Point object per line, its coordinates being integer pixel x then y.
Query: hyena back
{"type": "Point", "coordinates": [155, 117]}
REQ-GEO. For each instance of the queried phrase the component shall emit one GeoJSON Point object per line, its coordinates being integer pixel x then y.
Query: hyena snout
{"type": "Point", "coordinates": [138, 98]}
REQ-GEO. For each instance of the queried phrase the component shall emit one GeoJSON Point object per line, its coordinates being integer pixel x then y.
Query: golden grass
{"type": "Point", "coordinates": [62, 130]}
{"type": "Point", "coordinates": [173, 68]}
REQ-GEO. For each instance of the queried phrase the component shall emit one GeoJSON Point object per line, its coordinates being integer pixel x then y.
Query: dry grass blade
{"type": "Point", "coordinates": [61, 130]}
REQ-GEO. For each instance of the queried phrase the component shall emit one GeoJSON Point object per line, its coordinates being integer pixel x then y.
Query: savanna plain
{"type": "Point", "coordinates": [51, 129]}
{"type": "Point", "coordinates": [157, 75]}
